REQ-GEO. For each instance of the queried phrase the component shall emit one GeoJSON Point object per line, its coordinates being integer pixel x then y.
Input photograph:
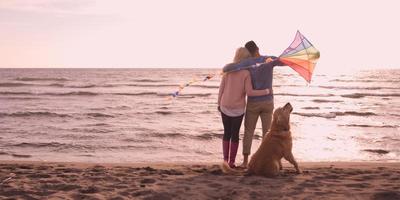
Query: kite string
{"type": "Point", "coordinates": [191, 82]}
{"type": "Point", "coordinates": [12, 175]}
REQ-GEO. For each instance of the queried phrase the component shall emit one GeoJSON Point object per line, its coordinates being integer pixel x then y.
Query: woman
{"type": "Point", "coordinates": [232, 103]}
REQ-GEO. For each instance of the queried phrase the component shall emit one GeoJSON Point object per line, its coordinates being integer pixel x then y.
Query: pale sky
{"type": "Point", "coordinates": [184, 33]}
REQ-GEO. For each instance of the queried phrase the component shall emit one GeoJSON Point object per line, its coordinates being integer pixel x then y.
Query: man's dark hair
{"type": "Point", "coordinates": [251, 46]}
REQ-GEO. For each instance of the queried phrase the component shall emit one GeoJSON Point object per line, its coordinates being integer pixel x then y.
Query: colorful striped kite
{"type": "Point", "coordinates": [301, 56]}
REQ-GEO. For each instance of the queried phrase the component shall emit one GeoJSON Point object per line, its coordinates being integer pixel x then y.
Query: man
{"type": "Point", "coordinates": [261, 71]}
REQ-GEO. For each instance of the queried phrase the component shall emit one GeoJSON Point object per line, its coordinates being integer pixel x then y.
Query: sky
{"type": "Point", "coordinates": [350, 34]}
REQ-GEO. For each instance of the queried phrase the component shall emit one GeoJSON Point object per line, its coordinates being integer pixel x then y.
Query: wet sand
{"type": "Point", "coordinates": [40, 180]}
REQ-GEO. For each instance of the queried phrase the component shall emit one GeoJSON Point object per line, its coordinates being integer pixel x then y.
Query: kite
{"type": "Point", "coordinates": [301, 56]}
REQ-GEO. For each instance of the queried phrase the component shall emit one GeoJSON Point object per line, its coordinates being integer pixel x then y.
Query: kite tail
{"type": "Point", "coordinates": [191, 82]}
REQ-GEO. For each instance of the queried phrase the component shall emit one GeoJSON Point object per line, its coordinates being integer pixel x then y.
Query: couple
{"type": "Point", "coordinates": [238, 81]}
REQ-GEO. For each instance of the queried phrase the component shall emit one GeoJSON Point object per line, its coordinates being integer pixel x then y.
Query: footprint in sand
{"type": "Point", "coordinates": [215, 185]}
{"type": "Point", "coordinates": [142, 193]}
{"type": "Point", "coordinates": [89, 190]}
{"type": "Point", "coordinates": [117, 198]}
{"type": "Point", "coordinates": [367, 177]}
{"type": "Point", "coordinates": [82, 196]}
{"type": "Point", "coordinates": [308, 183]}
{"type": "Point", "coordinates": [44, 167]}
{"type": "Point", "coordinates": [385, 174]}
{"type": "Point", "coordinates": [25, 167]}
{"type": "Point", "coordinates": [161, 196]}
{"type": "Point", "coordinates": [119, 186]}
{"type": "Point", "coordinates": [171, 172]}
{"type": "Point", "coordinates": [38, 176]}
{"type": "Point", "coordinates": [386, 195]}
{"type": "Point", "coordinates": [60, 187]}
{"type": "Point", "coordinates": [147, 181]}
{"type": "Point", "coordinates": [68, 170]}
{"type": "Point", "coordinates": [149, 169]}
{"type": "Point", "coordinates": [358, 185]}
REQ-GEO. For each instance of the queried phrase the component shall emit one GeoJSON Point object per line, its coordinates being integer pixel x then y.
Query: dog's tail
{"type": "Point", "coordinates": [228, 170]}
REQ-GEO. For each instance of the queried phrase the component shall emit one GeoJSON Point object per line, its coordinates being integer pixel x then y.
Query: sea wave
{"type": "Point", "coordinates": [135, 94]}
{"type": "Point", "coordinates": [21, 155]}
{"type": "Point", "coordinates": [322, 115]}
{"type": "Point", "coordinates": [164, 112]}
{"type": "Point", "coordinates": [20, 98]}
{"type": "Point", "coordinates": [304, 95]}
{"type": "Point", "coordinates": [61, 85]}
{"type": "Point", "coordinates": [205, 136]}
{"type": "Point", "coordinates": [163, 135]}
{"type": "Point", "coordinates": [53, 114]}
{"type": "Point", "coordinates": [195, 95]}
{"type": "Point", "coordinates": [166, 85]}
{"type": "Point", "coordinates": [369, 126]}
{"type": "Point", "coordinates": [147, 80]}
{"type": "Point", "coordinates": [361, 95]}
{"type": "Point", "coordinates": [142, 85]}
{"type": "Point", "coordinates": [77, 93]}
{"type": "Point", "coordinates": [40, 144]}
{"type": "Point", "coordinates": [326, 101]}
{"type": "Point", "coordinates": [334, 114]}
{"type": "Point", "coordinates": [100, 115]}
{"type": "Point", "coordinates": [11, 84]}
{"type": "Point", "coordinates": [355, 87]}
{"type": "Point", "coordinates": [311, 108]}
{"type": "Point", "coordinates": [31, 114]}
{"type": "Point", "coordinates": [120, 85]}
{"type": "Point", "coordinates": [287, 85]}
{"type": "Point", "coordinates": [55, 85]}
{"type": "Point", "coordinates": [364, 80]}
{"type": "Point", "coordinates": [40, 79]}
{"type": "Point", "coordinates": [136, 140]}
{"type": "Point", "coordinates": [90, 130]}
{"type": "Point", "coordinates": [149, 85]}
{"type": "Point", "coordinates": [85, 93]}
{"type": "Point", "coordinates": [87, 148]}
{"type": "Point", "coordinates": [57, 146]}
{"type": "Point", "coordinates": [208, 136]}
{"type": "Point", "coordinates": [354, 113]}
{"type": "Point", "coordinates": [378, 151]}
{"type": "Point", "coordinates": [206, 86]}
{"type": "Point", "coordinates": [17, 93]}
{"type": "Point", "coordinates": [82, 86]}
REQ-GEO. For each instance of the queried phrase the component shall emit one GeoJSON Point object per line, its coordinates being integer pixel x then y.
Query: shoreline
{"type": "Point", "coordinates": [73, 180]}
{"type": "Point", "coordinates": [172, 164]}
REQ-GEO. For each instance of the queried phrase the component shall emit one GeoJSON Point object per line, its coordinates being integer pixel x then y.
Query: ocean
{"type": "Point", "coordinates": [127, 115]}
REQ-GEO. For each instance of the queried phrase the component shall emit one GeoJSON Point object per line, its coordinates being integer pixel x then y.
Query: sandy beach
{"type": "Point", "coordinates": [40, 180]}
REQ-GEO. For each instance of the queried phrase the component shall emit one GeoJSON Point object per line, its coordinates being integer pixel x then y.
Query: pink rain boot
{"type": "Point", "coordinates": [233, 152]}
{"type": "Point", "coordinates": [225, 150]}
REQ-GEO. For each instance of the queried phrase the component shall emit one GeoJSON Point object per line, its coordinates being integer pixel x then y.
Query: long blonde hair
{"type": "Point", "coordinates": [241, 53]}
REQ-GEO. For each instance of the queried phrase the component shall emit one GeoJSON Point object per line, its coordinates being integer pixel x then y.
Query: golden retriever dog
{"type": "Point", "coordinates": [277, 144]}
